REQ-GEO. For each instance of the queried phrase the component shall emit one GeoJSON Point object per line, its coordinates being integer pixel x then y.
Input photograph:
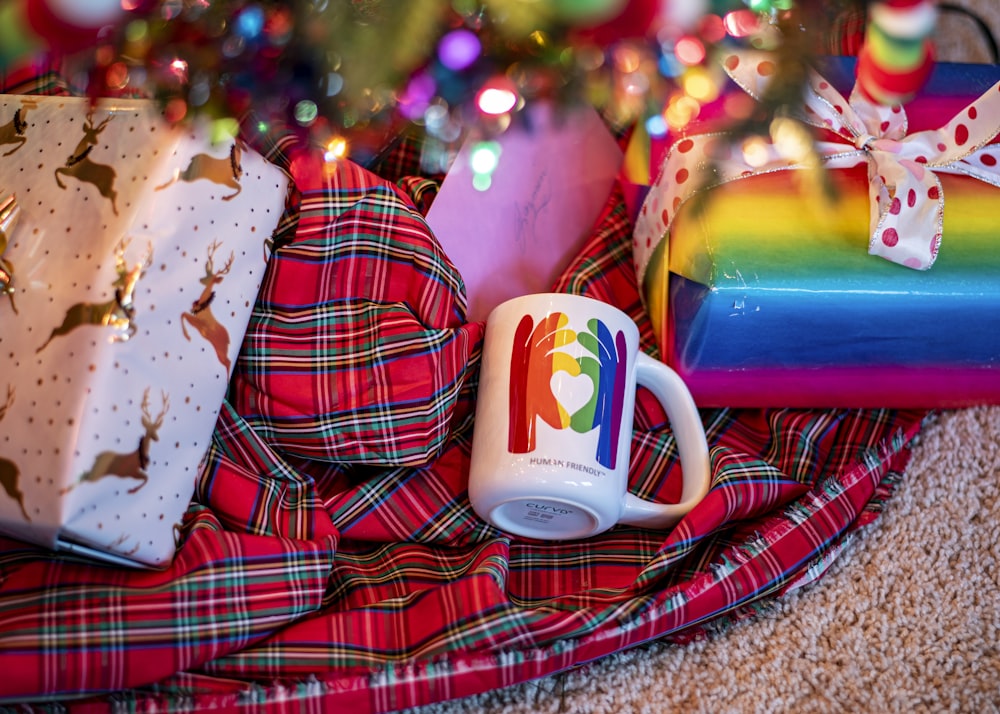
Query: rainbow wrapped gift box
{"type": "Point", "coordinates": [764, 294]}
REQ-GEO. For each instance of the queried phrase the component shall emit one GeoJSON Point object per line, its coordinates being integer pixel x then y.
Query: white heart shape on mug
{"type": "Point", "coordinates": [572, 392]}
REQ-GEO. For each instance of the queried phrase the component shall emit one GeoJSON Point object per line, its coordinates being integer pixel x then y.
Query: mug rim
{"type": "Point", "coordinates": [571, 297]}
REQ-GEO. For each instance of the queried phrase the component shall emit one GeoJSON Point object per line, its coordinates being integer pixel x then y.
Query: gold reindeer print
{"type": "Point", "coordinates": [118, 312]}
{"type": "Point", "coordinates": [133, 464]}
{"type": "Point", "coordinates": [9, 212]}
{"type": "Point", "coordinates": [10, 475]}
{"type": "Point", "coordinates": [225, 171]}
{"type": "Point", "coordinates": [118, 545]}
{"type": "Point", "coordinates": [13, 131]}
{"type": "Point", "coordinates": [200, 317]}
{"type": "Point", "coordinates": [80, 166]}
{"type": "Point", "coordinates": [178, 531]}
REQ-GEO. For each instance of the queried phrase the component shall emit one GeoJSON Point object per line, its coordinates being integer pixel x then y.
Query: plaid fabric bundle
{"type": "Point", "coordinates": [331, 557]}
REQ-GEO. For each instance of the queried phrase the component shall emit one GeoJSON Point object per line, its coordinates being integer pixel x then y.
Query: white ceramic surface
{"type": "Point", "coordinates": [551, 447]}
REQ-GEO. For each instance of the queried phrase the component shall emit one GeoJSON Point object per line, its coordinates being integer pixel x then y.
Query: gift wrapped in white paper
{"type": "Point", "coordinates": [134, 253]}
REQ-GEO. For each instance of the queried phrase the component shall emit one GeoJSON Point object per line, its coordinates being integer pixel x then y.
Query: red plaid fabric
{"type": "Point", "coordinates": [331, 559]}
{"type": "Point", "coordinates": [360, 344]}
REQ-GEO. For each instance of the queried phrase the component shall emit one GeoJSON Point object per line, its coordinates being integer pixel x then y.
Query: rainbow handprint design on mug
{"type": "Point", "coordinates": [537, 354]}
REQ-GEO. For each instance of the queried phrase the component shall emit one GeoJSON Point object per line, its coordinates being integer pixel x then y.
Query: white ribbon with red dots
{"type": "Point", "coordinates": [907, 201]}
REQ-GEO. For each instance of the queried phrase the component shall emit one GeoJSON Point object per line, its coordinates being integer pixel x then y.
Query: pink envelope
{"type": "Point", "coordinates": [554, 177]}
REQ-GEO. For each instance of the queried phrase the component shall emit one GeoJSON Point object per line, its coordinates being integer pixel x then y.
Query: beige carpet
{"type": "Point", "coordinates": [959, 39]}
{"type": "Point", "coordinates": [906, 620]}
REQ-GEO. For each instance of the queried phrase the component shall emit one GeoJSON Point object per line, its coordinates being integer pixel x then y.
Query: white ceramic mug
{"type": "Point", "coordinates": [553, 430]}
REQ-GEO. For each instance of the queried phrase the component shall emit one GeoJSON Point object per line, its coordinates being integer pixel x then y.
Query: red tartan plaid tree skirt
{"type": "Point", "coordinates": [331, 558]}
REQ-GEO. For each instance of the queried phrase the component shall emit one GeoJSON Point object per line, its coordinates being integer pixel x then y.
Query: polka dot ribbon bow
{"type": "Point", "coordinates": [907, 201]}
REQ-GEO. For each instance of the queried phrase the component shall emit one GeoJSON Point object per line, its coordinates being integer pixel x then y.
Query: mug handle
{"type": "Point", "coordinates": [692, 446]}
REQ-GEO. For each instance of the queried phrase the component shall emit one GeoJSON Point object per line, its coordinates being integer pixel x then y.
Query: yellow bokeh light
{"type": "Point", "coordinates": [681, 111]}
{"type": "Point", "coordinates": [755, 151]}
{"type": "Point", "coordinates": [336, 148]}
{"type": "Point", "coordinates": [539, 38]}
{"type": "Point", "coordinates": [791, 139]}
{"type": "Point", "coordinates": [698, 84]}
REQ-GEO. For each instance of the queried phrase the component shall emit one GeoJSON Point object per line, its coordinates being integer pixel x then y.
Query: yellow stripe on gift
{"type": "Point", "coordinates": [895, 53]}
{"type": "Point", "coordinates": [635, 165]}
{"type": "Point", "coordinates": [781, 224]}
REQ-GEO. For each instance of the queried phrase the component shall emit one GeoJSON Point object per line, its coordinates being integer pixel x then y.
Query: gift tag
{"type": "Point", "coordinates": [554, 176]}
